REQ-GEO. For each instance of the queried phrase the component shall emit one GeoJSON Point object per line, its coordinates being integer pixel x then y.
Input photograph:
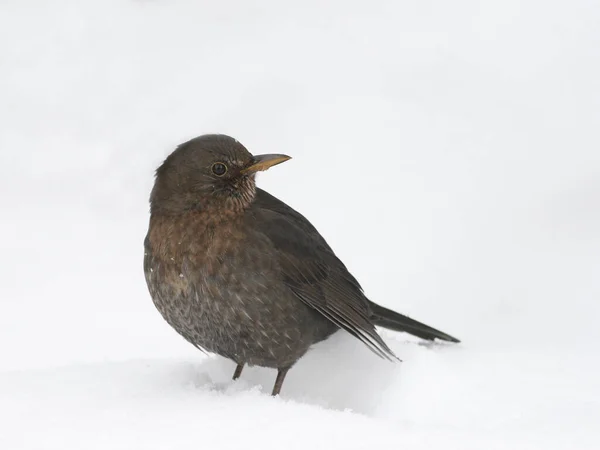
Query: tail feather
{"type": "Point", "coordinates": [392, 320]}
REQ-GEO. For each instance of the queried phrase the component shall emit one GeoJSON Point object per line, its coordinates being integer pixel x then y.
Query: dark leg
{"type": "Point", "coordinates": [281, 373]}
{"type": "Point", "coordinates": [238, 371]}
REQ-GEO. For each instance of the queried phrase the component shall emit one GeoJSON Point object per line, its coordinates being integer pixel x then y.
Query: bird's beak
{"type": "Point", "coordinates": [263, 162]}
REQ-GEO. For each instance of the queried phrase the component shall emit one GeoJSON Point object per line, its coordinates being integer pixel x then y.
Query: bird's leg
{"type": "Point", "coordinates": [238, 371]}
{"type": "Point", "coordinates": [281, 373]}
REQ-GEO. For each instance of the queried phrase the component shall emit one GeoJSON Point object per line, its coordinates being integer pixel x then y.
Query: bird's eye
{"type": "Point", "coordinates": [219, 169]}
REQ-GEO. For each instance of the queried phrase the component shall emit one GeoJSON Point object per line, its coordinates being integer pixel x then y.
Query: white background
{"type": "Point", "coordinates": [448, 151]}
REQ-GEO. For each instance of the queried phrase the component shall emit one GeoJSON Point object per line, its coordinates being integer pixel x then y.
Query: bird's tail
{"type": "Point", "coordinates": [392, 320]}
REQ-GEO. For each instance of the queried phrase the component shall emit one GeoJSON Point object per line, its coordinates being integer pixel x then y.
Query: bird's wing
{"type": "Point", "coordinates": [313, 272]}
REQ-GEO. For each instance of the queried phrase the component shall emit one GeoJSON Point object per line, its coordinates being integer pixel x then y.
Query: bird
{"type": "Point", "coordinates": [239, 273]}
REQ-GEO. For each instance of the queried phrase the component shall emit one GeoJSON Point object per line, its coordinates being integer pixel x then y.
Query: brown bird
{"type": "Point", "coordinates": [239, 273]}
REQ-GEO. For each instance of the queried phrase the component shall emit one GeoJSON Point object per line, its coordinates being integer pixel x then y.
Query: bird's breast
{"type": "Point", "coordinates": [222, 289]}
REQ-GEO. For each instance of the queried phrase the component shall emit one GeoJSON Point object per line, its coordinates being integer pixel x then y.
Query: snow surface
{"type": "Point", "coordinates": [448, 151]}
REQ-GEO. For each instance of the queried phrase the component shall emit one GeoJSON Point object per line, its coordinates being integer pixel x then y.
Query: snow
{"type": "Point", "coordinates": [448, 152]}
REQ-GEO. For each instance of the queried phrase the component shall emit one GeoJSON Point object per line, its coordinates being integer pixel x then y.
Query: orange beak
{"type": "Point", "coordinates": [263, 162]}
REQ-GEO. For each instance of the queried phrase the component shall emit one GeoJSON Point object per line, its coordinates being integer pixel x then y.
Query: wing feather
{"type": "Point", "coordinates": [313, 272]}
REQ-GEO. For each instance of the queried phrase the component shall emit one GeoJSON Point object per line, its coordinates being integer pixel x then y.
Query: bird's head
{"type": "Point", "coordinates": [210, 171]}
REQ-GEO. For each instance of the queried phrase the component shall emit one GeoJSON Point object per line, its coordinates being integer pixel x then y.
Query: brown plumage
{"type": "Point", "coordinates": [239, 273]}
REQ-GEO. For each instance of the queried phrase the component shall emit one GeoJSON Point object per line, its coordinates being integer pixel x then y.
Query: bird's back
{"type": "Point", "coordinates": [311, 270]}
